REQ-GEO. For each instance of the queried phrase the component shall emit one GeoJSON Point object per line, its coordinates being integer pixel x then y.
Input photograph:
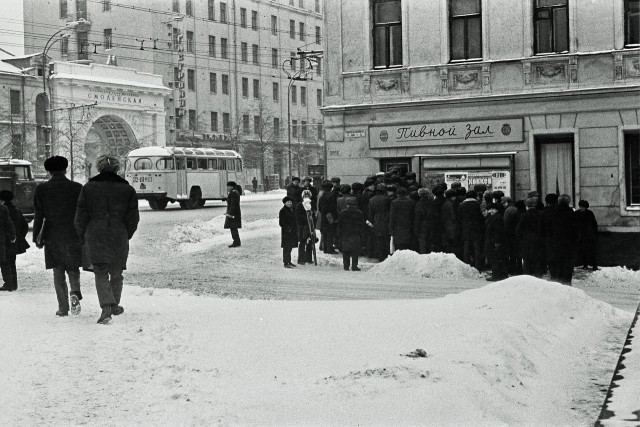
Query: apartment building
{"type": "Point", "coordinates": [529, 95]}
{"type": "Point", "coordinates": [222, 60]}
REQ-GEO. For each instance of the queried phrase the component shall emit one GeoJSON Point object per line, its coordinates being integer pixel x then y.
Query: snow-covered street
{"type": "Point", "coordinates": [213, 335]}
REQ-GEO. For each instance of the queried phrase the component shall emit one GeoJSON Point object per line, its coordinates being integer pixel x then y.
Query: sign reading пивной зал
{"type": "Point", "coordinates": [468, 132]}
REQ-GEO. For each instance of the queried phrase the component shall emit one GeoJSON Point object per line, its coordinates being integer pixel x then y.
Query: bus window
{"type": "Point", "coordinates": [213, 164]}
{"type": "Point", "coordinates": [142, 164]}
{"type": "Point", "coordinates": [191, 163]}
{"type": "Point", "coordinates": [230, 165]}
{"type": "Point", "coordinates": [239, 165]}
{"type": "Point", "coordinates": [202, 163]}
{"type": "Point", "coordinates": [222, 164]}
{"type": "Point", "coordinates": [165, 163]}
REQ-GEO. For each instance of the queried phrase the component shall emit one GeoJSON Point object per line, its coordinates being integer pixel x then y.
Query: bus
{"type": "Point", "coordinates": [15, 176]}
{"type": "Point", "coordinates": [189, 176]}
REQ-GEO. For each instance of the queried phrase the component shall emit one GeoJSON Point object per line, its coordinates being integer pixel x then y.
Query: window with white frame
{"type": "Point", "coordinates": [223, 13]}
{"type": "Point", "coordinates": [465, 29]}
{"type": "Point", "coordinates": [254, 54]}
{"type": "Point", "coordinates": [274, 25]}
{"type": "Point", "coordinates": [551, 26]}
{"type": "Point", "coordinates": [108, 38]}
{"type": "Point", "coordinates": [223, 49]}
{"type": "Point", "coordinates": [244, 52]}
{"type": "Point", "coordinates": [631, 23]}
{"type": "Point", "coordinates": [245, 87]}
{"type": "Point", "coordinates": [274, 57]}
{"type": "Point", "coordinates": [276, 92]}
{"type": "Point", "coordinates": [387, 33]}
{"type": "Point", "coordinates": [212, 45]}
{"type": "Point", "coordinates": [632, 168]}
{"type": "Point", "coordinates": [254, 20]}
{"type": "Point", "coordinates": [243, 17]}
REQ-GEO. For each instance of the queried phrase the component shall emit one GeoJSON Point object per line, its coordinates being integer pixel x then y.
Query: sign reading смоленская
{"type": "Point", "coordinates": [467, 132]}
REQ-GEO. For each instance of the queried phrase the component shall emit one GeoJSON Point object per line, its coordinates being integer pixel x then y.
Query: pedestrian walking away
{"type": "Point", "coordinates": [254, 182]}
{"type": "Point", "coordinates": [15, 246]}
{"type": "Point", "coordinates": [587, 236]}
{"type": "Point", "coordinates": [288, 231]}
{"type": "Point", "coordinates": [106, 219]}
{"type": "Point", "coordinates": [233, 220]}
{"type": "Point", "coordinates": [352, 225]}
{"type": "Point", "coordinates": [55, 203]}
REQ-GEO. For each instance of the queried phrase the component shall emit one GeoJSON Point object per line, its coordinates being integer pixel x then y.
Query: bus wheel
{"type": "Point", "coordinates": [202, 202]}
{"type": "Point", "coordinates": [195, 199]}
{"type": "Point", "coordinates": [158, 204]}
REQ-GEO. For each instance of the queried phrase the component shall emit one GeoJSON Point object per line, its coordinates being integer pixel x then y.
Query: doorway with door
{"type": "Point", "coordinates": [555, 165]}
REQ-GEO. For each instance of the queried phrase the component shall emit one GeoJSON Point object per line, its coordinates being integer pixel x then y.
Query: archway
{"type": "Point", "coordinates": [109, 134]}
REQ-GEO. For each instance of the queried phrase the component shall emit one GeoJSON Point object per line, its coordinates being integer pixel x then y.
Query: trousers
{"type": "Point", "coordinates": [60, 284]}
{"type": "Point", "coordinates": [108, 283]}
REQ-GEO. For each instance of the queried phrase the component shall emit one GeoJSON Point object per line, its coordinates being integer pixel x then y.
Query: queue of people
{"type": "Point", "coordinates": [485, 229]}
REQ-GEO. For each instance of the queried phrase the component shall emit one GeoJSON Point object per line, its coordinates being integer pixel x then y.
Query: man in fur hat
{"type": "Point", "coordinates": [55, 202]}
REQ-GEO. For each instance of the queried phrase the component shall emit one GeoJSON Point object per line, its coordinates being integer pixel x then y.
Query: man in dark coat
{"type": "Point", "coordinates": [529, 233]}
{"type": "Point", "coordinates": [379, 210]}
{"type": "Point", "coordinates": [327, 205]}
{"type": "Point", "coordinates": [288, 231]}
{"type": "Point", "coordinates": [401, 220]}
{"type": "Point", "coordinates": [106, 218]}
{"type": "Point", "coordinates": [494, 242]}
{"type": "Point", "coordinates": [424, 221]}
{"type": "Point", "coordinates": [512, 252]}
{"type": "Point", "coordinates": [254, 182]}
{"type": "Point", "coordinates": [15, 246]}
{"type": "Point", "coordinates": [471, 224]}
{"type": "Point", "coordinates": [449, 221]}
{"type": "Point", "coordinates": [233, 220]}
{"type": "Point", "coordinates": [294, 190]}
{"type": "Point", "coordinates": [438, 200]}
{"type": "Point", "coordinates": [564, 229]}
{"type": "Point", "coordinates": [54, 203]}
{"type": "Point", "coordinates": [587, 236]}
{"type": "Point", "coordinates": [351, 225]}
{"type": "Point", "coordinates": [551, 201]}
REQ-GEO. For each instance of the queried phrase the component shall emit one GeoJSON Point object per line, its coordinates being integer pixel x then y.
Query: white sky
{"type": "Point", "coordinates": [11, 28]}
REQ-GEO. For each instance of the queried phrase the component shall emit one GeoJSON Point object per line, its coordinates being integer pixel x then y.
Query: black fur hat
{"type": "Point", "coordinates": [56, 163]}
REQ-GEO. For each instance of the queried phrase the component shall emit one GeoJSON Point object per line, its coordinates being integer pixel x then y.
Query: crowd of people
{"type": "Point", "coordinates": [485, 229]}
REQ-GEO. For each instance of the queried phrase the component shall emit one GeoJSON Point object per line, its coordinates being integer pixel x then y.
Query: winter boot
{"type": "Point", "coordinates": [75, 304]}
{"type": "Point", "coordinates": [105, 316]}
{"type": "Point", "coordinates": [117, 310]}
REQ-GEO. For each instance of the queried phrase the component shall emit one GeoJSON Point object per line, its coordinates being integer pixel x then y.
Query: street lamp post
{"type": "Point", "coordinates": [46, 127]}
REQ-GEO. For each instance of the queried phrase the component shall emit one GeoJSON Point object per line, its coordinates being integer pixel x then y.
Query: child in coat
{"type": "Point", "coordinates": [13, 248]}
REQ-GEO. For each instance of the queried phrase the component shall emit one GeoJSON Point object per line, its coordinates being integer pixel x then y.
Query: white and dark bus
{"type": "Point", "coordinates": [189, 176]}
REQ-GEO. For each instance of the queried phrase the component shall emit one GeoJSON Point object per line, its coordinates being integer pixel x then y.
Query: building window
{"type": "Point", "coordinates": [63, 9]}
{"type": "Point", "coordinates": [225, 84]}
{"type": "Point", "coordinates": [176, 75]}
{"type": "Point", "coordinates": [319, 130]}
{"type": "Point", "coordinates": [81, 9]}
{"type": "Point", "coordinates": [245, 87]}
{"type": "Point", "coordinates": [178, 119]}
{"type": "Point", "coordinates": [632, 168]}
{"type": "Point", "coordinates": [214, 121]}
{"type": "Point", "coordinates": [212, 46]}
{"type": "Point", "coordinates": [274, 25]}
{"type": "Point", "coordinates": [303, 95]}
{"type": "Point", "coordinates": [302, 34]}
{"type": "Point", "coordinates": [176, 6]}
{"type": "Point", "coordinates": [245, 124]}
{"type": "Point", "coordinates": [226, 123]}
{"type": "Point", "coordinates": [303, 128]}
{"type": "Point", "coordinates": [256, 125]}
{"type": "Point", "coordinates": [213, 83]}
{"type": "Point", "coordinates": [254, 20]}
{"type": "Point", "coordinates": [276, 92]}
{"type": "Point", "coordinates": [14, 96]}
{"type": "Point", "coordinates": [254, 53]}
{"type": "Point", "coordinates": [192, 120]}
{"type": "Point", "coordinates": [387, 33]}
{"type": "Point", "coordinates": [243, 17]}
{"type": "Point", "coordinates": [318, 37]}
{"type": "Point", "coordinates": [317, 9]}
{"type": "Point", "coordinates": [244, 52]}
{"type": "Point", "coordinates": [106, 5]}
{"type": "Point", "coordinates": [189, 8]}
{"type": "Point", "coordinates": [191, 80]}
{"type": "Point", "coordinates": [83, 45]}
{"type": "Point", "coordinates": [632, 23]}
{"type": "Point", "coordinates": [276, 127]}
{"type": "Point", "coordinates": [274, 58]}
{"type": "Point", "coordinates": [319, 97]}
{"type": "Point", "coordinates": [551, 25]}
{"type": "Point", "coordinates": [108, 39]}
{"type": "Point", "coordinates": [294, 128]}
{"type": "Point", "coordinates": [292, 29]}
{"type": "Point", "coordinates": [190, 41]}
{"type": "Point", "coordinates": [64, 45]}
{"type": "Point", "coordinates": [223, 13]}
{"type": "Point", "coordinates": [176, 40]}
{"type": "Point", "coordinates": [465, 29]}
{"type": "Point", "coordinates": [294, 94]}
{"type": "Point", "coordinates": [319, 67]}
{"type": "Point", "coordinates": [211, 12]}
{"type": "Point", "coordinates": [256, 88]}
{"type": "Point", "coordinates": [223, 49]}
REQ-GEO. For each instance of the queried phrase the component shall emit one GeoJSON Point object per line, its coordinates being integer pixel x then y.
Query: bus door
{"type": "Point", "coordinates": [181, 175]}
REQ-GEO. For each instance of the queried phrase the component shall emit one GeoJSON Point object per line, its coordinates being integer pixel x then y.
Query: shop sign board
{"type": "Point", "coordinates": [430, 134]}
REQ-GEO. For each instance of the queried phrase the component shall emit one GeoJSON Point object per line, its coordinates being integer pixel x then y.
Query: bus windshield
{"type": "Point", "coordinates": [21, 171]}
{"type": "Point", "coordinates": [143, 163]}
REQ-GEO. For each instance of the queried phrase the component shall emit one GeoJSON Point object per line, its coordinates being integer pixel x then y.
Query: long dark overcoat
{"type": "Point", "coordinates": [327, 204]}
{"type": "Point", "coordinates": [351, 226]}
{"type": "Point", "coordinates": [233, 209]}
{"type": "Point", "coordinates": [424, 218]}
{"type": "Point", "coordinates": [379, 211]}
{"type": "Point", "coordinates": [21, 227]}
{"type": "Point", "coordinates": [494, 233]}
{"type": "Point", "coordinates": [8, 233]}
{"type": "Point", "coordinates": [401, 220]}
{"type": "Point", "coordinates": [587, 226]}
{"type": "Point", "coordinates": [55, 201]}
{"type": "Point", "coordinates": [106, 218]}
{"type": "Point", "coordinates": [564, 231]}
{"type": "Point", "coordinates": [529, 233]}
{"type": "Point", "coordinates": [288, 228]}
{"type": "Point", "coordinates": [449, 221]}
{"type": "Point", "coordinates": [470, 219]}
{"type": "Point", "coordinates": [295, 192]}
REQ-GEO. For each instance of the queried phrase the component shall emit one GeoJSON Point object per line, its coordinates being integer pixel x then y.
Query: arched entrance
{"type": "Point", "coordinates": [109, 134]}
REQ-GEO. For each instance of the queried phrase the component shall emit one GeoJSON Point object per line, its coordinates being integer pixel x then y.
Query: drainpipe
{"type": "Point", "coordinates": [24, 118]}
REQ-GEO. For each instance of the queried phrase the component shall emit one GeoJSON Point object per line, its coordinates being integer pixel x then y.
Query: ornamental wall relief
{"type": "Point", "coordinates": [550, 73]}
{"type": "Point", "coordinates": [468, 79]}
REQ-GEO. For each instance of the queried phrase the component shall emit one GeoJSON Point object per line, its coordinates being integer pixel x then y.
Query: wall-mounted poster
{"type": "Point", "coordinates": [501, 180]}
{"type": "Point", "coordinates": [462, 177]}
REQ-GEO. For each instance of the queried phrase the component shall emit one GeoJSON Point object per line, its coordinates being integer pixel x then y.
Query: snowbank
{"type": "Point", "coordinates": [435, 265]}
{"type": "Point", "coordinates": [615, 276]}
{"type": "Point", "coordinates": [199, 231]}
{"type": "Point", "coordinates": [522, 351]}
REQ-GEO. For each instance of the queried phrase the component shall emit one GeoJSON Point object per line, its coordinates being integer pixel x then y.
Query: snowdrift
{"type": "Point", "coordinates": [435, 265]}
